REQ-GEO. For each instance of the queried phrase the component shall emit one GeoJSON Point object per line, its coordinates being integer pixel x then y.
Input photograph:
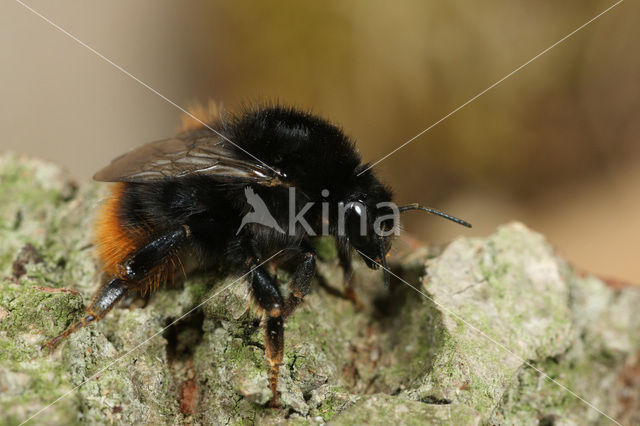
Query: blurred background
{"type": "Point", "coordinates": [555, 146]}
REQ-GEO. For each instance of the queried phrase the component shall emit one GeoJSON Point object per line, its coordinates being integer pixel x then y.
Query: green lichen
{"type": "Point", "coordinates": [326, 249]}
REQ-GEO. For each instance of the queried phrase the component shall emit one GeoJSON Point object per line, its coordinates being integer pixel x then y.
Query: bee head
{"type": "Point", "coordinates": [371, 220]}
{"type": "Point", "coordinates": [370, 232]}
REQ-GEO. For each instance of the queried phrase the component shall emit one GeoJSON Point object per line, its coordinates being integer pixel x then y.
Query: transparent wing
{"type": "Point", "coordinates": [188, 155]}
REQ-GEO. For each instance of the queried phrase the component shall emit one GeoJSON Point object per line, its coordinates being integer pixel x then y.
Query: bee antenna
{"type": "Point", "coordinates": [416, 206]}
{"type": "Point", "coordinates": [383, 258]}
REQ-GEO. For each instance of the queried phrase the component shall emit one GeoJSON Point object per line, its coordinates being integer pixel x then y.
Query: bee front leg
{"type": "Point", "coordinates": [344, 256]}
{"type": "Point", "coordinates": [266, 294]}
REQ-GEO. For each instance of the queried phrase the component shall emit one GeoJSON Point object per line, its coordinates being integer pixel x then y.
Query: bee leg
{"type": "Point", "coordinates": [301, 281]}
{"type": "Point", "coordinates": [344, 257]}
{"type": "Point", "coordinates": [105, 298]}
{"type": "Point", "coordinates": [268, 297]}
{"type": "Point", "coordinates": [133, 269]}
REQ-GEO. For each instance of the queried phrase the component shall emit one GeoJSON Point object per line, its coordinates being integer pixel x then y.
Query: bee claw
{"type": "Point", "coordinates": [274, 403]}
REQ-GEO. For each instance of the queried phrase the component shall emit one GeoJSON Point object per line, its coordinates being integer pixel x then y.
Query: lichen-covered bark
{"type": "Point", "coordinates": [462, 353]}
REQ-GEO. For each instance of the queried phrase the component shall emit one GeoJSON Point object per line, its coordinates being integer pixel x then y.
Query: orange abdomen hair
{"type": "Point", "coordinates": [114, 243]}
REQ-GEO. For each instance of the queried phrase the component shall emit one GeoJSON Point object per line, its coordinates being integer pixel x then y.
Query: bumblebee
{"type": "Point", "coordinates": [182, 204]}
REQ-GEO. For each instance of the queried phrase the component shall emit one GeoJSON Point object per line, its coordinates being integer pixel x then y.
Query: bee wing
{"type": "Point", "coordinates": [188, 155]}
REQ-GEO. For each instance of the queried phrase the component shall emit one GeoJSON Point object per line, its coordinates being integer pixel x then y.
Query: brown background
{"type": "Point", "coordinates": [556, 145]}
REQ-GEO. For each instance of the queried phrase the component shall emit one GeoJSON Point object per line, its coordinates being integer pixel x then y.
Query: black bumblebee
{"type": "Point", "coordinates": [185, 201]}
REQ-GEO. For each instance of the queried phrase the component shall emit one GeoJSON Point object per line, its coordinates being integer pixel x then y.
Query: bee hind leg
{"type": "Point", "coordinates": [131, 273]}
{"type": "Point", "coordinates": [105, 298]}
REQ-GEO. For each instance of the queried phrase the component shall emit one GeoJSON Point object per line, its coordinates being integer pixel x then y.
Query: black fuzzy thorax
{"type": "Point", "coordinates": [313, 153]}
